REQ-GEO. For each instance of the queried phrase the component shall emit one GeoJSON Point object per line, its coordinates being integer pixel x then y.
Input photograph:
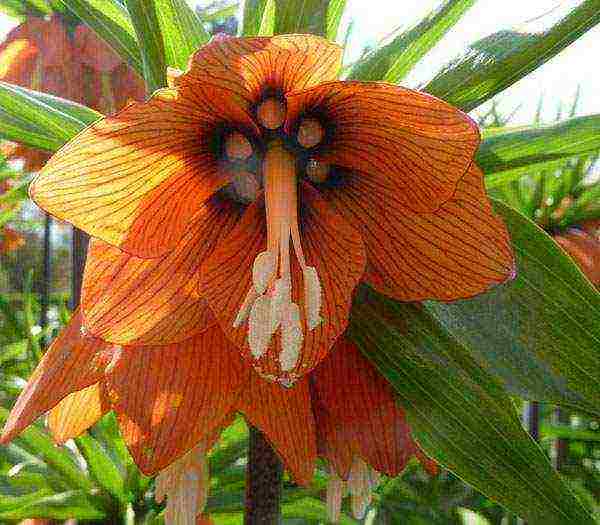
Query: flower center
{"type": "Point", "coordinates": [268, 305]}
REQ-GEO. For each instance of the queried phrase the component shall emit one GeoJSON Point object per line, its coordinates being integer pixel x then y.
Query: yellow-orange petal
{"type": "Point", "coordinates": [17, 61]}
{"type": "Point", "coordinates": [73, 362]}
{"type": "Point", "coordinates": [285, 417]}
{"type": "Point", "coordinates": [409, 143]}
{"type": "Point", "coordinates": [361, 404]}
{"type": "Point", "coordinates": [136, 179]}
{"type": "Point", "coordinates": [77, 412]}
{"type": "Point", "coordinates": [247, 67]}
{"type": "Point", "coordinates": [134, 301]}
{"type": "Point", "coordinates": [330, 244]}
{"type": "Point", "coordinates": [168, 398]}
{"type": "Point", "coordinates": [458, 251]}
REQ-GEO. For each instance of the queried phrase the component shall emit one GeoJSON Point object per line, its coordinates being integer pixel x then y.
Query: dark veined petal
{"type": "Point", "coordinates": [77, 412]}
{"type": "Point", "coordinates": [285, 417]}
{"type": "Point", "coordinates": [129, 300]}
{"type": "Point", "coordinates": [409, 143]}
{"type": "Point", "coordinates": [73, 362]}
{"type": "Point", "coordinates": [456, 252]}
{"type": "Point", "coordinates": [246, 67]}
{"type": "Point", "coordinates": [359, 413]}
{"type": "Point", "coordinates": [168, 398]}
{"type": "Point", "coordinates": [330, 244]}
{"type": "Point", "coordinates": [136, 179]}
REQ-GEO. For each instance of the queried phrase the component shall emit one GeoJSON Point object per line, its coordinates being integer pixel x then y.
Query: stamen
{"type": "Point", "coordinates": [271, 113]}
{"type": "Point", "coordinates": [185, 484]}
{"type": "Point", "coordinates": [359, 486]}
{"type": "Point", "coordinates": [310, 133]}
{"type": "Point", "coordinates": [263, 270]}
{"type": "Point", "coordinates": [312, 297]}
{"type": "Point", "coordinates": [259, 326]}
{"type": "Point", "coordinates": [237, 147]}
{"type": "Point", "coordinates": [291, 337]}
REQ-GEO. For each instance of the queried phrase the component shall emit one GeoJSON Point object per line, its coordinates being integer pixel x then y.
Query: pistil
{"type": "Point", "coordinates": [269, 306]}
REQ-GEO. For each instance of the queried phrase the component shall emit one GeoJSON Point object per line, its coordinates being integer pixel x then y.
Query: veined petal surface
{"type": "Point", "coordinates": [409, 143]}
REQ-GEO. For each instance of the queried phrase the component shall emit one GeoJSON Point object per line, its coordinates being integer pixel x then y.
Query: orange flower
{"type": "Point", "coordinates": [583, 244]}
{"type": "Point", "coordinates": [257, 149]}
{"type": "Point", "coordinates": [172, 402]}
{"type": "Point", "coordinates": [39, 54]}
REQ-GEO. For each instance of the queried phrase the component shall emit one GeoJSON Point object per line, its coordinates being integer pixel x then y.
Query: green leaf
{"type": "Point", "coordinates": [181, 30]}
{"type": "Point", "coordinates": [497, 61]}
{"type": "Point", "coordinates": [168, 32]}
{"type": "Point", "coordinates": [23, 8]}
{"type": "Point", "coordinates": [335, 10]}
{"type": "Point", "coordinates": [393, 61]}
{"type": "Point", "coordinates": [40, 120]}
{"type": "Point", "coordinates": [65, 505]}
{"type": "Point", "coordinates": [101, 467]}
{"type": "Point", "coordinates": [511, 153]}
{"type": "Point", "coordinates": [301, 16]}
{"type": "Point", "coordinates": [539, 333]}
{"type": "Point", "coordinates": [111, 21]}
{"type": "Point", "coordinates": [458, 412]}
{"type": "Point", "coordinates": [254, 15]}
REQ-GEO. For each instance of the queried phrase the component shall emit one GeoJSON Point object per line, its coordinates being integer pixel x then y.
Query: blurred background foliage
{"type": "Point", "coordinates": [93, 479]}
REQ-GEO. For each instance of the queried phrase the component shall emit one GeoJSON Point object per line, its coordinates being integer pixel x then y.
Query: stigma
{"type": "Point", "coordinates": [269, 307]}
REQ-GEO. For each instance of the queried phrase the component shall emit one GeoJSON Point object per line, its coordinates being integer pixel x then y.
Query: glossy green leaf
{"type": "Point", "coordinates": [458, 412]}
{"type": "Point", "coordinates": [111, 21]}
{"type": "Point", "coordinates": [335, 10]}
{"type": "Point", "coordinates": [102, 469]}
{"type": "Point", "coordinates": [40, 120]}
{"type": "Point", "coordinates": [497, 61]}
{"type": "Point", "coordinates": [508, 154]}
{"type": "Point", "coordinates": [539, 333]}
{"type": "Point", "coordinates": [61, 506]}
{"type": "Point", "coordinates": [393, 61]}
{"type": "Point", "coordinates": [258, 18]}
{"type": "Point", "coordinates": [301, 16]}
{"type": "Point", "coordinates": [23, 8]}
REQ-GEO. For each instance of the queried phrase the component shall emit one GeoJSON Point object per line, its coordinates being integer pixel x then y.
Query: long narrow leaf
{"type": "Point", "coordinates": [495, 62]}
{"type": "Point", "coordinates": [301, 16]}
{"type": "Point", "coordinates": [38, 119]}
{"type": "Point", "coordinates": [459, 414]}
{"type": "Point", "coordinates": [393, 61]}
{"type": "Point", "coordinates": [507, 155]}
{"type": "Point", "coordinates": [111, 21]}
{"type": "Point", "coordinates": [539, 333]}
{"type": "Point", "coordinates": [253, 15]}
{"type": "Point", "coordinates": [335, 10]}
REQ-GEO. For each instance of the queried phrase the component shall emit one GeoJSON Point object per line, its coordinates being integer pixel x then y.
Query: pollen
{"type": "Point", "coordinates": [269, 306]}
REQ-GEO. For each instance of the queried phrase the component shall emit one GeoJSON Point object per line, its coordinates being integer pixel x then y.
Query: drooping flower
{"type": "Point", "coordinates": [260, 191]}
{"type": "Point", "coordinates": [40, 54]}
{"type": "Point", "coordinates": [172, 402]}
{"type": "Point", "coordinates": [582, 243]}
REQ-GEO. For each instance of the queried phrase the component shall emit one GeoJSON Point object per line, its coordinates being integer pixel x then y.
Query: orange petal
{"type": "Point", "coordinates": [128, 300]}
{"type": "Point", "coordinates": [77, 412]}
{"type": "Point", "coordinates": [17, 61]}
{"type": "Point", "coordinates": [330, 244]}
{"type": "Point", "coordinates": [93, 51]}
{"type": "Point", "coordinates": [456, 252]}
{"type": "Point", "coordinates": [72, 362]}
{"type": "Point", "coordinates": [246, 67]}
{"type": "Point", "coordinates": [361, 404]}
{"type": "Point", "coordinates": [285, 417]}
{"type": "Point", "coordinates": [136, 179]}
{"type": "Point", "coordinates": [411, 144]}
{"type": "Point", "coordinates": [168, 398]}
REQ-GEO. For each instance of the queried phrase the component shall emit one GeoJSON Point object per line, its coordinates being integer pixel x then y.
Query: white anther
{"type": "Point", "coordinates": [244, 310]}
{"type": "Point", "coordinates": [291, 337]}
{"type": "Point", "coordinates": [116, 356]}
{"type": "Point", "coordinates": [282, 292]}
{"type": "Point", "coordinates": [260, 326]}
{"type": "Point", "coordinates": [359, 485]}
{"type": "Point", "coordinates": [312, 297]}
{"type": "Point", "coordinates": [263, 270]}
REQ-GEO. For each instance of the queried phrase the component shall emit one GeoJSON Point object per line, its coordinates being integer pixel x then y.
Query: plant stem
{"type": "Point", "coordinates": [264, 481]}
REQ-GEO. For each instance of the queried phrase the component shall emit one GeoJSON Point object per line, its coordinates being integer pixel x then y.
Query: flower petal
{"type": "Point", "coordinates": [409, 143]}
{"type": "Point", "coordinates": [73, 362]}
{"type": "Point", "coordinates": [128, 300]}
{"type": "Point", "coordinates": [361, 404]}
{"type": "Point", "coordinates": [94, 52]}
{"type": "Point", "coordinates": [168, 398]}
{"type": "Point", "coordinates": [77, 412]}
{"type": "Point", "coordinates": [330, 244]}
{"type": "Point", "coordinates": [458, 251]}
{"type": "Point", "coordinates": [246, 67]}
{"type": "Point", "coordinates": [285, 417]}
{"type": "Point", "coordinates": [136, 179]}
